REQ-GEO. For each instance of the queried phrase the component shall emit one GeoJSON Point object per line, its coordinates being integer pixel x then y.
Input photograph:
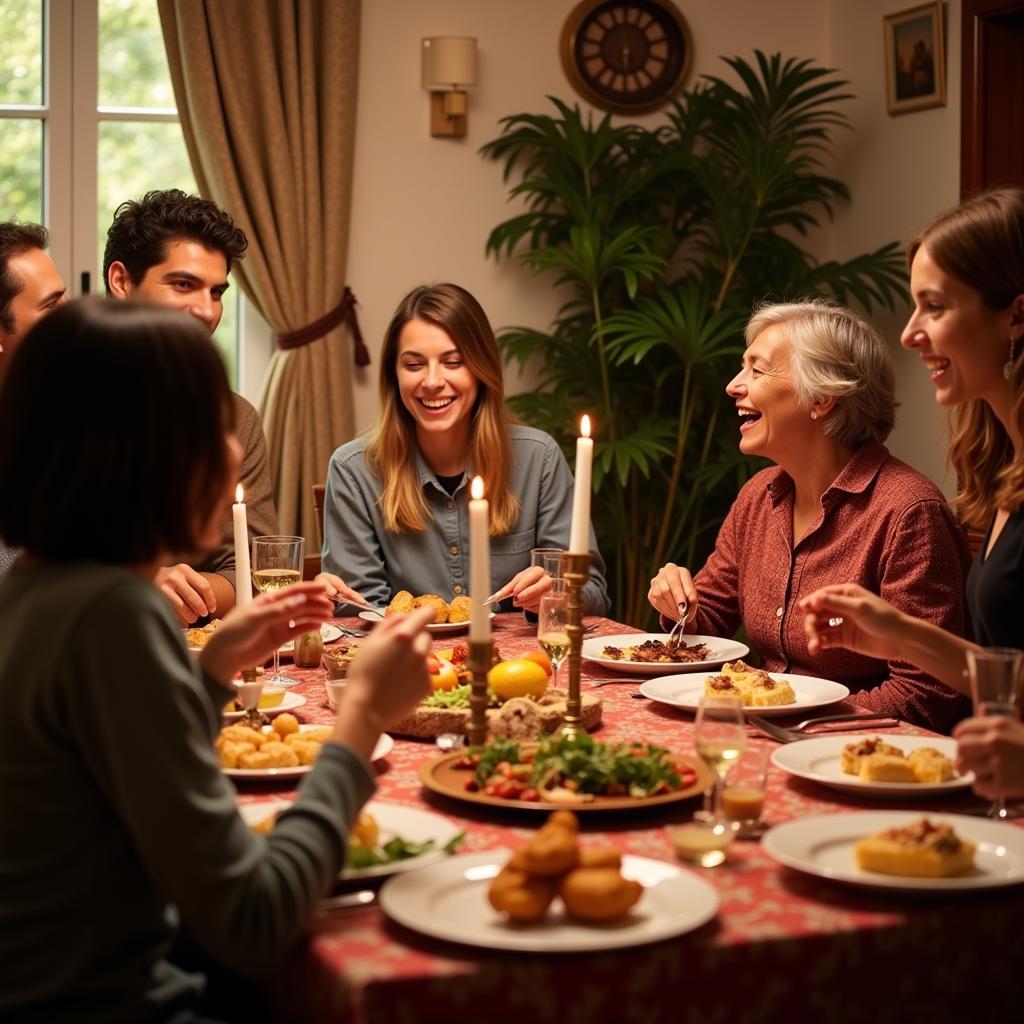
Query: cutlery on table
{"type": "Point", "coordinates": [362, 898]}
{"type": "Point", "coordinates": [676, 636]}
{"type": "Point", "coordinates": [354, 633]}
{"type": "Point", "coordinates": [878, 720]}
{"type": "Point", "coordinates": [594, 683]}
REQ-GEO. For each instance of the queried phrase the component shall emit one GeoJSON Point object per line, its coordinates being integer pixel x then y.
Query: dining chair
{"type": "Point", "coordinates": [318, 503]}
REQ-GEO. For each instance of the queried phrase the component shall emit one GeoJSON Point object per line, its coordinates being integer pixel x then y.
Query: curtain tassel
{"type": "Point", "coordinates": [344, 312]}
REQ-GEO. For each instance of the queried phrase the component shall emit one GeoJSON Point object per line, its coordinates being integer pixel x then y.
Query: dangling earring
{"type": "Point", "coordinates": [814, 415]}
{"type": "Point", "coordinates": [1008, 367]}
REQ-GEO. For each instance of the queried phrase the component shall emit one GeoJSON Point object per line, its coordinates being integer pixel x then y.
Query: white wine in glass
{"type": "Point", "coordinates": [276, 564]}
{"type": "Point", "coordinates": [552, 634]}
{"type": "Point", "coordinates": [719, 737]}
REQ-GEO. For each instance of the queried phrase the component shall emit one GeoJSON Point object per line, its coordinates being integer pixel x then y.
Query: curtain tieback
{"type": "Point", "coordinates": [344, 312]}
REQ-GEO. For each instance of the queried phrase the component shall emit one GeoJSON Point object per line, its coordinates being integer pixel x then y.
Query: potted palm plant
{"type": "Point", "coordinates": [663, 239]}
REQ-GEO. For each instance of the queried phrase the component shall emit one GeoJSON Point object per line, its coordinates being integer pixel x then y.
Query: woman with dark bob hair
{"type": "Point", "coordinates": [967, 326]}
{"type": "Point", "coordinates": [116, 448]}
{"type": "Point", "coordinates": [396, 516]}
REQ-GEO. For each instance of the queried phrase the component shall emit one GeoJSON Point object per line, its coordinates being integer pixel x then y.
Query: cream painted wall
{"type": "Point", "coordinates": [422, 207]}
{"type": "Point", "coordinates": [901, 171]}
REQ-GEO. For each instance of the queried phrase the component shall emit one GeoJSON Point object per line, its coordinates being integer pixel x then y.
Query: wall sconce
{"type": "Point", "coordinates": [449, 64]}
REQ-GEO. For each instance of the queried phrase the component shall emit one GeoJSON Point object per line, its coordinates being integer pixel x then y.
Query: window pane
{"type": "Point", "coordinates": [135, 157]}
{"type": "Point", "coordinates": [21, 186]}
{"type": "Point", "coordinates": [132, 60]}
{"type": "Point", "coordinates": [21, 52]}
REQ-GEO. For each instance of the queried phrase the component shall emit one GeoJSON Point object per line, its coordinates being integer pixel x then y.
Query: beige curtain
{"type": "Point", "coordinates": [266, 93]}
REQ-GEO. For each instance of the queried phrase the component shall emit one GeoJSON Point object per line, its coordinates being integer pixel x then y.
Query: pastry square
{"type": "Point", "coordinates": [919, 850]}
{"type": "Point", "coordinates": [853, 753]}
{"type": "Point", "coordinates": [722, 686]}
{"type": "Point", "coordinates": [767, 692]}
{"type": "Point", "coordinates": [886, 768]}
{"type": "Point", "coordinates": [928, 765]}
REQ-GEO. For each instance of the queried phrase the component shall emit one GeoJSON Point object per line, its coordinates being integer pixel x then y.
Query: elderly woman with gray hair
{"type": "Point", "coordinates": [816, 396]}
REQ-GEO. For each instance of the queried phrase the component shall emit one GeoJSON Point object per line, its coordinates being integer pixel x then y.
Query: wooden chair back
{"type": "Point", "coordinates": [318, 503]}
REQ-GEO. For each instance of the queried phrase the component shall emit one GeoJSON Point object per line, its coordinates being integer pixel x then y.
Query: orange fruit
{"type": "Point", "coordinates": [444, 677]}
{"type": "Point", "coordinates": [517, 677]}
{"type": "Point", "coordinates": [542, 659]}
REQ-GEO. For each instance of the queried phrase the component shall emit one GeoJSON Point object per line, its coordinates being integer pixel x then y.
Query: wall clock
{"type": "Point", "coordinates": [626, 56]}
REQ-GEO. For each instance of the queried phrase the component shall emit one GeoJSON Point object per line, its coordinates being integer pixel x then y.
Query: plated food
{"type": "Point", "coordinates": [198, 637]}
{"type": "Point", "coordinates": [582, 774]}
{"type": "Point", "coordinates": [273, 701]}
{"type": "Point", "coordinates": [457, 610]}
{"type": "Point", "coordinates": [921, 849]}
{"type": "Point", "coordinates": [685, 691]}
{"type": "Point", "coordinates": [649, 654]}
{"type": "Point", "coordinates": [448, 900]}
{"type": "Point", "coordinates": [753, 687]}
{"type": "Point", "coordinates": [896, 767]}
{"type": "Point", "coordinates": [825, 846]}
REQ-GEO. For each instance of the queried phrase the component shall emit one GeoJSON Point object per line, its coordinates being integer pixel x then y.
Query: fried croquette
{"type": "Point", "coordinates": [270, 755]}
{"type": "Point", "coordinates": [285, 724]}
{"type": "Point", "coordinates": [242, 734]}
{"type": "Point", "coordinates": [458, 610]}
{"type": "Point", "coordinates": [598, 894]}
{"type": "Point", "coordinates": [307, 753]}
{"type": "Point", "coordinates": [522, 896]}
{"type": "Point", "coordinates": [600, 857]}
{"type": "Point", "coordinates": [229, 752]}
{"type": "Point", "coordinates": [439, 604]}
{"type": "Point", "coordinates": [401, 603]}
{"type": "Point", "coordinates": [552, 851]}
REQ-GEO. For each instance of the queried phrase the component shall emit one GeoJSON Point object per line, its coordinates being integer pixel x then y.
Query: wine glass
{"type": "Point", "coordinates": [276, 564]}
{"type": "Point", "coordinates": [995, 674]}
{"type": "Point", "coordinates": [719, 736]}
{"type": "Point", "coordinates": [552, 631]}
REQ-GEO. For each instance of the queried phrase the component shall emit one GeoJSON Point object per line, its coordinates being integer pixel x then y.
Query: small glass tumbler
{"type": "Point", "coordinates": [551, 560]}
{"type": "Point", "coordinates": [745, 788]}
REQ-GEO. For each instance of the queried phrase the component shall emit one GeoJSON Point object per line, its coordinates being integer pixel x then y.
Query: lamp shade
{"type": "Point", "coordinates": [449, 62]}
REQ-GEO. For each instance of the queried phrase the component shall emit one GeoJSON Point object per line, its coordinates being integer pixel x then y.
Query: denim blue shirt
{"type": "Point", "coordinates": [378, 563]}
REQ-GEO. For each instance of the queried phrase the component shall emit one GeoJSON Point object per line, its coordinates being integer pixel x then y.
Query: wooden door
{"type": "Point", "coordinates": [992, 89]}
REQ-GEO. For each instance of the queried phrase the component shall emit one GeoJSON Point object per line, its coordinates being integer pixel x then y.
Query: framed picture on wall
{"type": "Point", "coordinates": [915, 59]}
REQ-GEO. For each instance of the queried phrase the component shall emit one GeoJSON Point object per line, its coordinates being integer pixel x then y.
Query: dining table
{"type": "Point", "coordinates": [784, 944]}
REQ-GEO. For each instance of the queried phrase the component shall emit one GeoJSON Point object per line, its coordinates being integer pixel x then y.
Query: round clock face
{"type": "Point", "coordinates": [628, 56]}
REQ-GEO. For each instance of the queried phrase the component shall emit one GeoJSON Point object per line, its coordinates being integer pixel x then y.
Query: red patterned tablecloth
{"type": "Point", "coordinates": [783, 946]}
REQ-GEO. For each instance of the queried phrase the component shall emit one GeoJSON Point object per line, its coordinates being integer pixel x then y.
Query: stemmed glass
{"type": "Point", "coordinates": [552, 623]}
{"type": "Point", "coordinates": [719, 736]}
{"type": "Point", "coordinates": [276, 564]}
{"type": "Point", "coordinates": [995, 674]}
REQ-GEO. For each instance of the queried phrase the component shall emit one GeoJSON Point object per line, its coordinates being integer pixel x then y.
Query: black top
{"type": "Point", "coordinates": [451, 483]}
{"type": "Point", "coordinates": [995, 587]}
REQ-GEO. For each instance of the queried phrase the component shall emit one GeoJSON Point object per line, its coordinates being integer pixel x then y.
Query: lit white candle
{"type": "Point", "coordinates": [579, 537]}
{"type": "Point", "coordinates": [479, 563]}
{"type": "Point", "coordinates": [243, 577]}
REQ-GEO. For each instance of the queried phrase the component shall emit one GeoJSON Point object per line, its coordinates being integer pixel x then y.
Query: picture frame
{"type": "Point", "coordinates": [915, 59]}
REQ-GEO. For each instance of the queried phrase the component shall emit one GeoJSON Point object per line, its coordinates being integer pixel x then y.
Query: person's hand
{"type": "Point", "coordinates": [336, 588]}
{"type": "Point", "coordinates": [526, 588]}
{"type": "Point", "coordinates": [847, 615]}
{"type": "Point", "coordinates": [248, 636]}
{"type": "Point", "coordinates": [993, 748]}
{"type": "Point", "coordinates": [671, 589]}
{"type": "Point", "coordinates": [190, 594]}
{"type": "Point", "coordinates": [386, 679]}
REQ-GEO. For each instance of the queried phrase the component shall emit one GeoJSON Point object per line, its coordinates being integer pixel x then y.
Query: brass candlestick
{"type": "Point", "coordinates": [481, 657]}
{"type": "Point", "coordinates": [577, 572]}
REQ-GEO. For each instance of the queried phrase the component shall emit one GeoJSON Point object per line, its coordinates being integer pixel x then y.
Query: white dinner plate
{"type": "Point", "coordinates": [410, 823]}
{"type": "Point", "coordinates": [432, 627]}
{"type": "Point", "coordinates": [685, 691]}
{"type": "Point", "coordinates": [721, 651]}
{"type": "Point", "coordinates": [448, 900]}
{"type": "Point", "coordinates": [823, 846]}
{"type": "Point", "coordinates": [819, 760]}
{"type": "Point", "coordinates": [328, 634]}
{"type": "Point", "coordinates": [289, 702]}
{"type": "Point", "coordinates": [384, 747]}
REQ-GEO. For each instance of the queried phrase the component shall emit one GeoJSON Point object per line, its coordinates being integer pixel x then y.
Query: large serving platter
{"type": "Point", "coordinates": [448, 900]}
{"type": "Point", "coordinates": [823, 846]}
{"type": "Point", "coordinates": [818, 759]}
{"type": "Point", "coordinates": [442, 776]}
{"type": "Point", "coordinates": [721, 651]}
{"type": "Point", "coordinates": [384, 747]}
{"type": "Point", "coordinates": [685, 690]}
{"type": "Point", "coordinates": [438, 628]}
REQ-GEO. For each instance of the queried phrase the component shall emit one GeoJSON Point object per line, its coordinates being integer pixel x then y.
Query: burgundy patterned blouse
{"type": "Point", "coordinates": [883, 525]}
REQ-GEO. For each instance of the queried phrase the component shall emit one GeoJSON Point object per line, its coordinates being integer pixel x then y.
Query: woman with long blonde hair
{"type": "Point", "coordinates": [396, 514]}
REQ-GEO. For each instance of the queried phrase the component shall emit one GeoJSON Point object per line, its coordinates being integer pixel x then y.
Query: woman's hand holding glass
{"type": "Point", "coordinates": [993, 748]}
{"type": "Point", "coordinates": [671, 589]}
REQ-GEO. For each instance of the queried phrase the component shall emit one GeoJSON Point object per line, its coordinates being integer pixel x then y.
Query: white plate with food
{"type": "Point", "coordinates": [328, 633]}
{"type": "Point", "coordinates": [439, 628]}
{"type": "Point", "coordinates": [821, 759]}
{"type": "Point", "coordinates": [824, 846]}
{"type": "Point", "coordinates": [448, 900]}
{"type": "Point", "coordinates": [289, 702]}
{"type": "Point", "coordinates": [384, 747]}
{"type": "Point", "coordinates": [685, 691]}
{"type": "Point", "coordinates": [718, 652]}
{"type": "Point", "coordinates": [401, 830]}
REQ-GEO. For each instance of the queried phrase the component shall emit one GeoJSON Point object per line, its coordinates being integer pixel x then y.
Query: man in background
{"type": "Point", "coordinates": [177, 250]}
{"type": "Point", "coordinates": [30, 287]}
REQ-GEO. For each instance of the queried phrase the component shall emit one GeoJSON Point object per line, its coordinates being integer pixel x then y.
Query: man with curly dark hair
{"type": "Point", "coordinates": [177, 250]}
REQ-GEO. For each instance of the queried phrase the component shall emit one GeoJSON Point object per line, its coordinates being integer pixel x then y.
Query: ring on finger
{"type": "Point", "coordinates": [836, 620]}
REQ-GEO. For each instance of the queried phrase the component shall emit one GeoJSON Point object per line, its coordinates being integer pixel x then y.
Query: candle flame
{"type": "Point", "coordinates": [476, 488]}
{"type": "Point", "coordinates": [584, 426]}
{"type": "Point", "coordinates": [239, 494]}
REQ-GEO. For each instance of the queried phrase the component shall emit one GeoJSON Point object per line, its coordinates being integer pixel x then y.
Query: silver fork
{"type": "Point", "coordinates": [676, 636]}
{"type": "Point", "coordinates": [878, 720]}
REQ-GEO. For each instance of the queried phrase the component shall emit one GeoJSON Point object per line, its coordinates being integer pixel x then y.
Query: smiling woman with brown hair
{"type": "Point", "coordinates": [816, 395]}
